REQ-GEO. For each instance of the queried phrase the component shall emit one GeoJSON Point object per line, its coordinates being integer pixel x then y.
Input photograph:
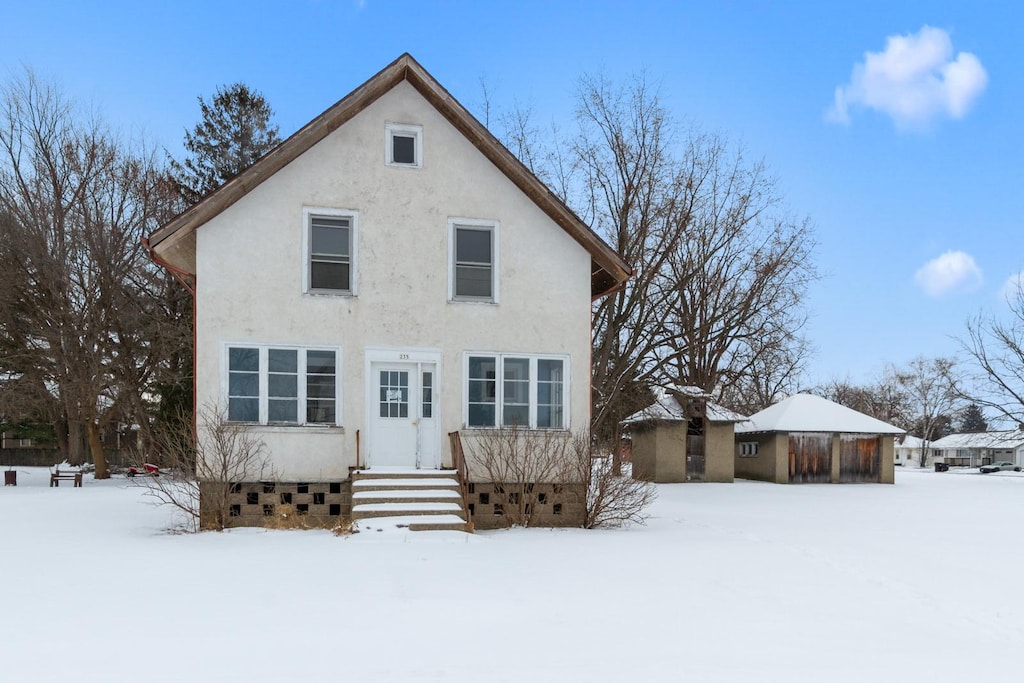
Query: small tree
{"type": "Point", "coordinates": [199, 470]}
{"type": "Point", "coordinates": [234, 132]}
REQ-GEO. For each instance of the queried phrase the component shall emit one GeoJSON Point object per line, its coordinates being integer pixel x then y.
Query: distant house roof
{"type": "Point", "coordinates": [909, 441]}
{"type": "Point", "coordinates": [667, 407]}
{"type": "Point", "coordinates": [1012, 438]}
{"type": "Point", "coordinates": [174, 244]}
{"type": "Point", "coordinates": [809, 413]}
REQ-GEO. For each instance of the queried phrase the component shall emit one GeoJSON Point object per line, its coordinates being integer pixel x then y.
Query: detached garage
{"type": "Point", "coordinates": [809, 439]}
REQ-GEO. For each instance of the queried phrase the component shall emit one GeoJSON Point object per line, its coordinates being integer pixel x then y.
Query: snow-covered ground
{"type": "Point", "coordinates": [742, 582]}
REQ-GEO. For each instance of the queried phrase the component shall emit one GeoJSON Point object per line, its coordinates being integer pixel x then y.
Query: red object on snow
{"type": "Point", "coordinates": [147, 470]}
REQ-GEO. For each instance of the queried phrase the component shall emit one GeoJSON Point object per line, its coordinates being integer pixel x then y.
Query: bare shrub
{"type": "Point", "coordinates": [614, 498]}
{"type": "Point", "coordinates": [198, 471]}
{"type": "Point", "coordinates": [515, 461]}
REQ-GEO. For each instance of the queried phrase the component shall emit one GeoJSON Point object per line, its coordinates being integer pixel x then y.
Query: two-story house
{"type": "Point", "coordinates": [387, 275]}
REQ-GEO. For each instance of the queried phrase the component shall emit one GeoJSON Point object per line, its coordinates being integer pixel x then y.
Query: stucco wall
{"type": "Point", "coordinates": [720, 448]}
{"type": "Point", "coordinates": [250, 274]}
{"type": "Point", "coordinates": [765, 465]}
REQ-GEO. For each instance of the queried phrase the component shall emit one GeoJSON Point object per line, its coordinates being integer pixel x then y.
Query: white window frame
{"type": "Point", "coordinates": [403, 130]}
{"type": "Point", "coordinates": [308, 213]}
{"type": "Point", "coordinates": [264, 382]}
{"type": "Point", "coordinates": [748, 449]}
{"type": "Point", "coordinates": [475, 224]}
{"type": "Point", "coordinates": [499, 359]}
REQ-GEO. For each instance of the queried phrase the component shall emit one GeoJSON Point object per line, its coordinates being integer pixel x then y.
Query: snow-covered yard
{"type": "Point", "coordinates": [743, 582]}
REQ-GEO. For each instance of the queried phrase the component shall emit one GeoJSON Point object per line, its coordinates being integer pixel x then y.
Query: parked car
{"type": "Point", "coordinates": [999, 466]}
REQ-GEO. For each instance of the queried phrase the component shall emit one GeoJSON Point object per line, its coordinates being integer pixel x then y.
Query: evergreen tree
{"type": "Point", "coordinates": [972, 420]}
{"type": "Point", "coordinates": [235, 131]}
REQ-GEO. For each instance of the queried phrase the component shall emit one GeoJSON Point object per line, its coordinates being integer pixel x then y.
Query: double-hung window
{"type": "Point", "coordinates": [506, 390]}
{"type": "Point", "coordinates": [473, 260]}
{"type": "Point", "coordinates": [282, 385]}
{"type": "Point", "coordinates": [330, 251]}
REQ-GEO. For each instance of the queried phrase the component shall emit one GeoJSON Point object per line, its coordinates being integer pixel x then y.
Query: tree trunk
{"type": "Point", "coordinates": [99, 458]}
{"type": "Point", "coordinates": [75, 453]}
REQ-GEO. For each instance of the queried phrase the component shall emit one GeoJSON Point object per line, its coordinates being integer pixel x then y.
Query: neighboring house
{"type": "Point", "coordinates": [907, 451]}
{"type": "Point", "coordinates": [983, 448]}
{"type": "Point", "coordinates": [387, 275]}
{"type": "Point", "coordinates": [682, 437]}
{"type": "Point", "coordinates": [808, 439]}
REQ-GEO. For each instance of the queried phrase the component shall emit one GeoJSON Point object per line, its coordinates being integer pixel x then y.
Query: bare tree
{"type": "Point", "coordinates": [995, 350]}
{"type": "Point", "coordinates": [736, 283]}
{"type": "Point", "coordinates": [198, 469]}
{"type": "Point", "coordinates": [930, 388]}
{"type": "Point", "coordinates": [76, 316]}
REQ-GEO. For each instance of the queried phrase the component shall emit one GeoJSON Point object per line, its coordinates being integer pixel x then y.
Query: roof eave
{"type": "Point", "coordinates": [609, 270]}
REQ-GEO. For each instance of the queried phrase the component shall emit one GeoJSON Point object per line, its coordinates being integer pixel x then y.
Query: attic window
{"type": "Point", "coordinates": [404, 145]}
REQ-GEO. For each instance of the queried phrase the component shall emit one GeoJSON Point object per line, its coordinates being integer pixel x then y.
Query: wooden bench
{"type": "Point", "coordinates": [56, 476]}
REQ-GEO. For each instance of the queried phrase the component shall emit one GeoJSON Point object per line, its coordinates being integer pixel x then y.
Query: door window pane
{"type": "Point", "coordinates": [428, 395]}
{"type": "Point", "coordinates": [394, 393]}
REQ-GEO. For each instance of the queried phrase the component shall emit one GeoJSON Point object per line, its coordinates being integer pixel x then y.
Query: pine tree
{"type": "Point", "coordinates": [235, 131]}
{"type": "Point", "coordinates": [972, 420]}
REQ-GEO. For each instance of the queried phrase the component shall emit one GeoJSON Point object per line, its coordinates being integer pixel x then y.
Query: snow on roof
{"type": "Point", "coordinates": [666, 407]}
{"type": "Point", "coordinates": [908, 441]}
{"type": "Point", "coordinates": [1012, 438]}
{"type": "Point", "coordinates": [809, 413]}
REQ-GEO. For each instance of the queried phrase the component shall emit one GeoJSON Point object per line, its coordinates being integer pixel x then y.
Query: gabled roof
{"type": "Point", "coordinates": [1012, 438]}
{"type": "Point", "coordinates": [809, 413]}
{"type": "Point", "coordinates": [174, 243]}
{"type": "Point", "coordinates": [668, 408]}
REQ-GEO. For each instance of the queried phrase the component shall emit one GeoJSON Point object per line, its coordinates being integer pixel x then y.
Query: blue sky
{"type": "Point", "coordinates": [922, 165]}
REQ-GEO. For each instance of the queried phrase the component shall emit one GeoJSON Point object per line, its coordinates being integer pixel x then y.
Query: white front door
{"type": "Point", "coordinates": [403, 415]}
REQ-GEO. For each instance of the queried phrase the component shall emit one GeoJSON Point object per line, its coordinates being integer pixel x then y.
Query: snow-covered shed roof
{"type": "Point", "coordinates": [1012, 438]}
{"type": "Point", "coordinates": [809, 413]}
{"type": "Point", "coordinates": [667, 408]}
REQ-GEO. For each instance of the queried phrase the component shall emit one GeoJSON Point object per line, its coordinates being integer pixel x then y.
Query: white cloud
{"type": "Point", "coordinates": [951, 271]}
{"type": "Point", "coordinates": [1013, 288]}
{"type": "Point", "coordinates": [915, 81]}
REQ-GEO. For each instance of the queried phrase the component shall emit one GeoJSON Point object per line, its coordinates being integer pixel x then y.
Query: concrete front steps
{"type": "Point", "coordinates": [399, 499]}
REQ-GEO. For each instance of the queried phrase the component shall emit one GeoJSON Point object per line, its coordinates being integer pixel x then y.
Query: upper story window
{"type": "Point", "coordinates": [473, 260]}
{"type": "Point", "coordinates": [330, 253]}
{"type": "Point", "coordinates": [404, 145]}
{"type": "Point", "coordinates": [283, 385]}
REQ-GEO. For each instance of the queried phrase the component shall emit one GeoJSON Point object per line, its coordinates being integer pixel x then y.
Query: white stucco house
{"type": "Point", "coordinates": [386, 276]}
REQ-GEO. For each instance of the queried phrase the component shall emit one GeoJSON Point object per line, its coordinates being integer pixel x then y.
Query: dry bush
{"type": "Point", "coordinates": [514, 460]}
{"type": "Point", "coordinates": [206, 468]}
{"type": "Point", "coordinates": [614, 498]}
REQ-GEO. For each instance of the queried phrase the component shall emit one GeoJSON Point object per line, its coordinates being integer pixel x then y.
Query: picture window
{"type": "Point", "coordinates": [282, 385]}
